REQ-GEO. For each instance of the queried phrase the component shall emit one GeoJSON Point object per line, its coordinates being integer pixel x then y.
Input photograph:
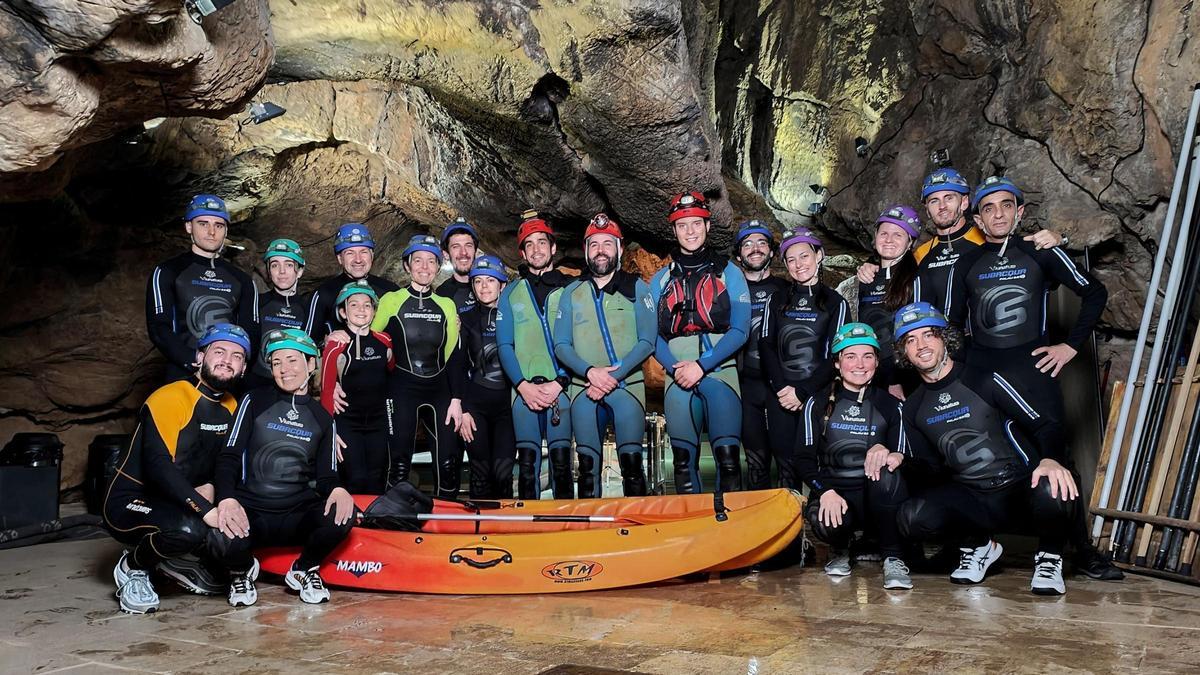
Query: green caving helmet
{"type": "Point", "coordinates": [284, 248]}
{"type": "Point", "coordinates": [356, 287]}
{"type": "Point", "coordinates": [854, 334]}
{"type": "Point", "coordinates": [290, 338]}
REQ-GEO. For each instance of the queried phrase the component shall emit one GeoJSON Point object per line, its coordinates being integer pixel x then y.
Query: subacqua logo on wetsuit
{"type": "Point", "coordinates": [572, 571]}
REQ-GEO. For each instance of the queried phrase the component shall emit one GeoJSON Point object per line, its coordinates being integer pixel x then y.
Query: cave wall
{"type": "Point", "coordinates": [404, 115]}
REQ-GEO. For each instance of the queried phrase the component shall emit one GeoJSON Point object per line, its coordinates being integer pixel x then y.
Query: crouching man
{"type": "Point", "coordinates": [974, 426]}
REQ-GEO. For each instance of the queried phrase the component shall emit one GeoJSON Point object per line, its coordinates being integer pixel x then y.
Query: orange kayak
{"type": "Point", "coordinates": [651, 539]}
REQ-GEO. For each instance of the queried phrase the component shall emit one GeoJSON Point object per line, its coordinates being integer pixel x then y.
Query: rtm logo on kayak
{"type": "Point", "coordinates": [572, 571]}
{"type": "Point", "coordinates": [359, 567]}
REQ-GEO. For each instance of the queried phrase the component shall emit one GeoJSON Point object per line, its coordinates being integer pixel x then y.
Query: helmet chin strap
{"type": "Point", "coordinates": [937, 371]}
{"type": "Point", "coordinates": [1016, 224]}
{"type": "Point", "coordinates": [212, 259]}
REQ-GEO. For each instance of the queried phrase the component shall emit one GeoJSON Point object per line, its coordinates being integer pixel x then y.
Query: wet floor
{"type": "Point", "coordinates": [58, 614]}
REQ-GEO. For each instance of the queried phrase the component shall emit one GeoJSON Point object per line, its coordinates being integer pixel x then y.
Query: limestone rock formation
{"type": "Point", "coordinates": [73, 72]}
{"type": "Point", "coordinates": [403, 115]}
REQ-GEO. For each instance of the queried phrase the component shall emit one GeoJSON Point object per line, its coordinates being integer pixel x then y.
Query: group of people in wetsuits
{"type": "Point", "coordinates": [869, 394]}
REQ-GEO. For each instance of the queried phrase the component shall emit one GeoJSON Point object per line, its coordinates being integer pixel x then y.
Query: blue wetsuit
{"type": "Point", "coordinates": [523, 335]}
{"type": "Point", "coordinates": [703, 310]}
{"type": "Point", "coordinates": [598, 328]}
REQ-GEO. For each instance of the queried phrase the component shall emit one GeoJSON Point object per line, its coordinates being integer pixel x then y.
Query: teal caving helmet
{"type": "Point", "coordinates": [290, 338]}
{"type": "Point", "coordinates": [284, 248]}
{"type": "Point", "coordinates": [357, 287]}
{"type": "Point", "coordinates": [854, 334]}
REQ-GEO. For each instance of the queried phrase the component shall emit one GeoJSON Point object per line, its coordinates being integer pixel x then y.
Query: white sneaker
{"type": "Point", "coordinates": [973, 563]}
{"type": "Point", "coordinates": [839, 564]}
{"type": "Point", "coordinates": [242, 592]}
{"type": "Point", "coordinates": [896, 575]}
{"type": "Point", "coordinates": [134, 590]}
{"type": "Point", "coordinates": [309, 583]}
{"type": "Point", "coordinates": [1047, 575]}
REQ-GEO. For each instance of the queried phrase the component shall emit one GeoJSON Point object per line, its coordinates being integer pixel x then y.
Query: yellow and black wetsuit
{"type": "Point", "coordinates": [152, 502]}
{"type": "Point", "coordinates": [430, 371]}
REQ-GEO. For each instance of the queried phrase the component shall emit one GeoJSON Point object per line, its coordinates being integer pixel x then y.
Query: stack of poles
{"type": "Point", "coordinates": [1152, 461]}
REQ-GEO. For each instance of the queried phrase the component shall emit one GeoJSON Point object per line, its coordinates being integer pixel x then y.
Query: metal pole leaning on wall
{"type": "Point", "coordinates": [1181, 170]}
{"type": "Point", "coordinates": [1141, 454]}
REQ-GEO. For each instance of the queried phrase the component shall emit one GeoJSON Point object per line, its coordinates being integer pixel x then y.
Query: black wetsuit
{"type": "Point", "coordinates": [797, 331]}
{"type": "Point", "coordinates": [936, 262]}
{"type": "Point", "coordinates": [488, 398]}
{"type": "Point", "coordinates": [755, 394]}
{"type": "Point", "coordinates": [981, 430]}
{"type": "Point", "coordinates": [323, 318]}
{"type": "Point", "coordinates": [362, 367]}
{"type": "Point", "coordinates": [1004, 302]}
{"type": "Point", "coordinates": [875, 313]}
{"type": "Point", "coordinates": [152, 503]}
{"type": "Point", "coordinates": [186, 295]}
{"type": "Point", "coordinates": [831, 453]}
{"type": "Point", "coordinates": [461, 292]}
{"type": "Point", "coordinates": [281, 465]}
{"type": "Point", "coordinates": [275, 311]}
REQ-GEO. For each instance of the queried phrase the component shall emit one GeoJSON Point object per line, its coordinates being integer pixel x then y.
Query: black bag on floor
{"type": "Point", "coordinates": [397, 509]}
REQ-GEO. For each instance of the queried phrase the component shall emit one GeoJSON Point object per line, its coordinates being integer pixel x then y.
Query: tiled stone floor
{"type": "Point", "coordinates": [58, 614]}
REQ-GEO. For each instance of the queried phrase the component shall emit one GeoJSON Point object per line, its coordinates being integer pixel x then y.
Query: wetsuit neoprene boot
{"type": "Point", "coordinates": [683, 472]}
{"type": "Point", "coordinates": [633, 474]}
{"type": "Point", "coordinates": [560, 473]}
{"type": "Point", "coordinates": [529, 481]}
{"type": "Point", "coordinates": [398, 474]}
{"type": "Point", "coordinates": [587, 477]}
{"type": "Point", "coordinates": [730, 467]}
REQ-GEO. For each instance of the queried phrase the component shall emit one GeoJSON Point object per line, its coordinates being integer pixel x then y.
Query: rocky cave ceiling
{"type": "Point", "coordinates": [405, 113]}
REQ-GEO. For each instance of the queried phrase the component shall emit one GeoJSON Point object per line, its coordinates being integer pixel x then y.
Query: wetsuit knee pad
{"type": "Point", "coordinates": [830, 535]}
{"type": "Point", "coordinates": [914, 519]}
{"type": "Point", "coordinates": [1046, 506]}
{"type": "Point", "coordinates": [224, 548]}
{"type": "Point", "coordinates": [889, 489]}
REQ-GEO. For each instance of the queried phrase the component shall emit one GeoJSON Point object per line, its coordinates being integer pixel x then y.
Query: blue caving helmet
{"type": "Point", "coordinates": [207, 205]}
{"type": "Point", "coordinates": [225, 332]}
{"type": "Point", "coordinates": [944, 179]}
{"type": "Point", "coordinates": [423, 242]}
{"type": "Point", "coordinates": [916, 315]}
{"type": "Point", "coordinates": [290, 338]}
{"type": "Point", "coordinates": [351, 235]}
{"type": "Point", "coordinates": [488, 266]}
{"type": "Point", "coordinates": [993, 184]}
{"type": "Point", "coordinates": [753, 227]}
{"type": "Point", "coordinates": [459, 226]}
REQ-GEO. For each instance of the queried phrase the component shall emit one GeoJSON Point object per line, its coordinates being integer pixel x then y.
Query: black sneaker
{"type": "Point", "coordinates": [1095, 565]}
{"type": "Point", "coordinates": [194, 575]}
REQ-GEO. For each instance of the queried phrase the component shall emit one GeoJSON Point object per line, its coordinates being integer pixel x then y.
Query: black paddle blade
{"type": "Point", "coordinates": [397, 509]}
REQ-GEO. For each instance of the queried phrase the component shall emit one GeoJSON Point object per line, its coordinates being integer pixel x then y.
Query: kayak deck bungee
{"type": "Point", "coordinates": [653, 539]}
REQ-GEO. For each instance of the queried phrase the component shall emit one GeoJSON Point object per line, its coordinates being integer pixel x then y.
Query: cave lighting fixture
{"type": "Point", "coordinates": [861, 147]}
{"type": "Point", "coordinates": [817, 206]}
{"type": "Point", "coordinates": [198, 9]}
{"type": "Point", "coordinates": [940, 158]}
{"type": "Point", "coordinates": [262, 112]}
